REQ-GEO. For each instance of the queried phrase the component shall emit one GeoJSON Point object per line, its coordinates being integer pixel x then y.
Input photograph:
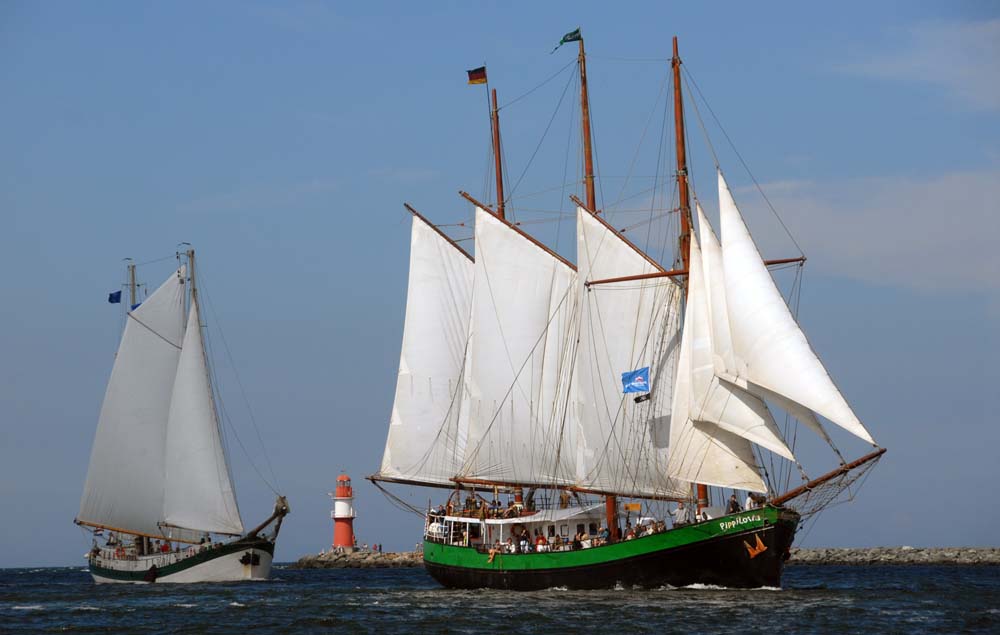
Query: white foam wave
{"type": "Point", "coordinates": [85, 607]}
{"type": "Point", "coordinates": [236, 604]}
{"type": "Point", "coordinates": [714, 587]}
{"type": "Point", "coordinates": [186, 606]}
{"type": "Point", "coordinates": [28, 607]}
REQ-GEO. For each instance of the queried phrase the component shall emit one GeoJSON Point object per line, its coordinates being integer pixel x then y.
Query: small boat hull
{"type": "Point", "coordinates": [244, 559]}
{"type": "Point", "coordinates": [746, 550]}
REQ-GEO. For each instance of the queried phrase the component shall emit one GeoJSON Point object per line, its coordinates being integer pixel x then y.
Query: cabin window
{"type": "Point", "coordinates": [475, 532]}
{"type": "Point", "coordinates": [564, 530]}
{"type": "Point", "coordinates": [593, 528]}
{"type": "Point", "coordinates": [580, 528]}
{"type": "Point", "coordinates": [552, 531]}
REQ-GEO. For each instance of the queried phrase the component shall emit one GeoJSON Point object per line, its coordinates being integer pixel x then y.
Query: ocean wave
{"type": "Point", "coordinates": [236, 604]}
{"type": "Point", "coordinates": [28, 607]}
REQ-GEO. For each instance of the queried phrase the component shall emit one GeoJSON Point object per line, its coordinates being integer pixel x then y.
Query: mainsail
{"type": "Point", "coordinates": [425, 444]}
{"type": "Point", "coordinates": [198, 491]}
{"type": "Point", "coordinates": [124, 486]}
{"type": "Point", "coordinates": [519, 367]}
{"type": "Point", "coordinates": [158, 466]}
{"type": "Point", "coordinates": [623, 327]}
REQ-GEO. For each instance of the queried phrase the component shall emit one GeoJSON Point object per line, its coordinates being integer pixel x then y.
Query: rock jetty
{"type": "Point", "coordinates": [964, 556]}
{"type": "Point", "coordinates": [361, 560]}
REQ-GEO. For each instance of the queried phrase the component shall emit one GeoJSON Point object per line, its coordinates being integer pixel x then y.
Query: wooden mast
{"type": "Point", "coordinates": [682, 181]}
{"type": "Point", "coordinates": [588, 156]}
{"type": "Point", "coordinates": [685, 201]}
{"type": "Point", "coordinates": [610, 501]}
{"type": "Point", "coordinates": [497, 156]}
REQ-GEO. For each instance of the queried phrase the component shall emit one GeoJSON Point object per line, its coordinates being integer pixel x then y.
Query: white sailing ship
{"type": "Point", "coordinates": [159, 495]}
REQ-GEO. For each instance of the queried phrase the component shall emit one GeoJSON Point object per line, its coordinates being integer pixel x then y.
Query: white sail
{"type": "Point", "coordinates": [425, 443]}
{"type": "Point", "coordinates": [722, 336]}
{"type": "Point", "coordinates": [124, 486]}
{"type": "Point", "coordinates": [704, 452]}
{"type": "Point", "coordinates": [198, 491]}
{"type": "Point", "coordinates": [519, 367]}
{"type": "Point", "coordinates": [770, 348]}
{"type": "Point", "coordinates": [623, 327]}
{"type": "Point", "coordinates": [713, 401]}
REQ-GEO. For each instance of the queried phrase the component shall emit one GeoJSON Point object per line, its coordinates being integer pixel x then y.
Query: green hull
{"type": "Point", "coordinates": [723, 551]}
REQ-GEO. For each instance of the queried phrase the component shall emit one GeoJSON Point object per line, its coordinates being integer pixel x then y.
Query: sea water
{"type": "Point", "coordinates": [813, 599]}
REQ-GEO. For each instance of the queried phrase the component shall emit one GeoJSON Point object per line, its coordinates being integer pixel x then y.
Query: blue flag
{"type": "Point", "coordinates": [636, 380]}
{"type": "Point", "coordinates": [135, 306]}
{"type": "Point", "coordinates": [115, 297]}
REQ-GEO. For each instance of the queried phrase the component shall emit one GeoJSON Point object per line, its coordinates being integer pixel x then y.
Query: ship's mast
{"type": "Point", "coordinates": [610, 501]}
{"type": "Point", "coordinates": [685, 200]}
{"type": "Point", "coordinates": [131, 284]}
{"type": "Point", "coordinates": [496, 154]}
{"type": "Point", "coordinates": [194, 288]}
{"type": "Point", "coordinates": [682, 179]}
{"type": "Point", "coordinates": [588, 156]}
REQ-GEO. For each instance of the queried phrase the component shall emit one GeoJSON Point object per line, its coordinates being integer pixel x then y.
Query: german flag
{"type": "Point", "coordinates": [477, 75]}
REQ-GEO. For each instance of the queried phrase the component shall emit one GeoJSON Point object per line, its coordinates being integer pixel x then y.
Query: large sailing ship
{"type": "Point", "coordinates": [159, 495]}
{"type": "Point", "coordinates": [597, 396]}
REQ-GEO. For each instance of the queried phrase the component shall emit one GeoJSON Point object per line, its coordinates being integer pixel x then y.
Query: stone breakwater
{"type": "Point", "coordinates": [361, 560]}
{"type": "Point", "coordinates": [965, 556]}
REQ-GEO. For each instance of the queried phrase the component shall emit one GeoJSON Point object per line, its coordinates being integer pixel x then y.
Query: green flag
{"type": "Point", "coordinates": [572, 36]}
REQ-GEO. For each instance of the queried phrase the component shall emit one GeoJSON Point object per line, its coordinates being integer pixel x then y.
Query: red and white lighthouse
{"type": "Point", "coordinates": [343, 514]}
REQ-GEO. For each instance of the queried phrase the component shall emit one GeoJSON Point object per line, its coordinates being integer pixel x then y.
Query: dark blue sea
{"type": "Point", "coordinates": [814, 599]}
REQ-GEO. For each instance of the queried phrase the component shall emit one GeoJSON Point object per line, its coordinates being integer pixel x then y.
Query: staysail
{"type": "Point", "coordinates": [770, 349]}
{"type": "Point", "coordinates": [713, 401]}
{"type": "Point", "coordinates": [125, 479]}
{"type": "Point", "coordinates": [700, 451]}
{"type": "Point", "coordinates": [520, 362]}
{"type": "Point", "coordinates": [425, 443]}
{"type": "Point", "coordinates": [623, 327]}
{"type": "Point", "coordinates": [198, 490]}
{"type": "Point", "coordinates": [722, 337]}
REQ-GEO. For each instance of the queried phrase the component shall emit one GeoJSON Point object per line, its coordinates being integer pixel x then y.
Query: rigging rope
{"type": "Point", "coordinates": [273, 486]}
{"type": "Point", "coordinates": [688, 76]}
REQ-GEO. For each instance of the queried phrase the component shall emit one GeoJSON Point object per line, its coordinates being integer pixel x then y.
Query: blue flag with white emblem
{"type": "Point", "coordinates": [636, 380]}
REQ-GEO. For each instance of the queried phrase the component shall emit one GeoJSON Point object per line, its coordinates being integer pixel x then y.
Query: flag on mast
{"type": "Point", "coordinates": [572, 36]}
{"type": "Point", "coordinates": [477, 75]}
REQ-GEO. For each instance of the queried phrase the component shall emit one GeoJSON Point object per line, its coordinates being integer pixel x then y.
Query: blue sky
{"type": "Point", "coordinates": [281, 139]}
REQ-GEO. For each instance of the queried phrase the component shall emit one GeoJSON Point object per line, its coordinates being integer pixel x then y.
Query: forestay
{"type": "Point", "coordinates": [425, 443]}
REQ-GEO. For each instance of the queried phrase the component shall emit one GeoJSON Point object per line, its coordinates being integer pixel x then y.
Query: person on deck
{"type": "Point", "coordinates": [541, 544]}
{"type": "Point", "coordinates": [680, 515]}
{"type": "Point", "coordinates": [750, 503]}
{"type": "Point", "coordinates": [734, 505]}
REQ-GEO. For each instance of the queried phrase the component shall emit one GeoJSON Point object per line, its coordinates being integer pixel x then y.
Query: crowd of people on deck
{"type": "Point", "coordinates": [521, 541]}
{"type": "Point", "coordinates": [115, 549]}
